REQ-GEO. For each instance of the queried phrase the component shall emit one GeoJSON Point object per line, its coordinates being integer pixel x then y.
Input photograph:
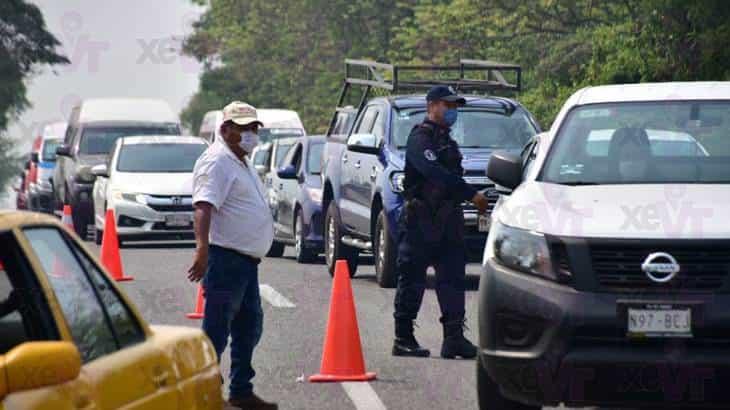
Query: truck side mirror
{"type": "Point", "coordinates": [505, 169]}
{"type": "Point", "coordinates": [63, 150]}
{"type": "Point", "coordinates": [287, 172]}
{"type": "Point", "coordinates": [100, 170]}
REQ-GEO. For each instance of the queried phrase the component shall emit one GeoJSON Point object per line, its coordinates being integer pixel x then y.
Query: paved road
{"type": "Point", "coordinates": [295, 319]}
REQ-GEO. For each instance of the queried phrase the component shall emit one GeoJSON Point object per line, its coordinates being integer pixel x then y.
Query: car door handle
{"type": "Point", "coordinates": [281, 186]}
{"type": "Point", "coordinates": [83, 401]}
{"type": "Point", "coordinates": [374, 174]}
{"type": "Point", "coordinates": [160, 378]}
{"type": "Point", "coordinates": [357, 164]}
{"type": "Point", "coordinates": [344, 158]}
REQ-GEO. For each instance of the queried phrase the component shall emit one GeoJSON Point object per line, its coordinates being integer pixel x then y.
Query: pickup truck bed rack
{"type": "Point", "coordinates": [401, 79]}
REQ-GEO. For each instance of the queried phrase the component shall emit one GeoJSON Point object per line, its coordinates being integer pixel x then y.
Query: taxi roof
{"type": "Point", "coordinates": [10, 219]}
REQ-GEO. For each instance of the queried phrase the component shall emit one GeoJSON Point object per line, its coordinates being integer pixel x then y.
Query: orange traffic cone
{"type": "Point", "coordinates": [342, 358]}
{"type": "Point", "coordinates": [110, 249]}
{"type": "Point", "coordinates": [67, 219]}
{"type": "Point", "coordinates": [199, 305]}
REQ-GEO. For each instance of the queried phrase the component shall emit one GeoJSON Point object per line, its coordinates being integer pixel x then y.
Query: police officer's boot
{"type": "Point", "coordinates": [405, 343]}
{"type": "Point", "coordinates": [455, 344]}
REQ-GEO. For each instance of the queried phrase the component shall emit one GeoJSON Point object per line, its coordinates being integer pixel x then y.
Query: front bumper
{"type": "Point", "coordinates": [313, 235]}
{"type": "Point", "coordinates": [137, 221]}
{"type": "Point", "coordinates": [546, 344]}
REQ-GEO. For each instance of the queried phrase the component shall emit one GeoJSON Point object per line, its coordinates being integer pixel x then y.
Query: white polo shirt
{"type": "Point", "coordinates": [241, 218]}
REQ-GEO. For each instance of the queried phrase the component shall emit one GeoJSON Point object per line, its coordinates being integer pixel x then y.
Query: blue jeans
{"type": "Point", "coordinates": [233, 307]}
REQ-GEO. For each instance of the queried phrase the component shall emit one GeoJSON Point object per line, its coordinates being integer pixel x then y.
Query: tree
{"type": "Point", "coordinates": [25, 44]}
{"type": "Point", "coordinates": [290, 53]}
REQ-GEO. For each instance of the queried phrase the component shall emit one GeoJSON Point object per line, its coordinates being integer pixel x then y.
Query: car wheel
{"type": "Point", "coordinates": [386, 252]}
{"type": "Point", "coordinates": [98, 236]}
{"type": "Point", "coordinates": [334, 249]}
{"type": "Point", "coordinates": [276, 250]}
{"type": "Point", "coordinates": [489, 396]}
{"type": "Point", "coordinates": [81, 222]}
{"type": "Point", "coordinates": [303, 254]}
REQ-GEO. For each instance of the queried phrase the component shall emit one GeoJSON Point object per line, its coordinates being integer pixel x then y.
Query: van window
{"type": "Point", "coordinates": [49, 150]}
{"type": "Point", "coordinates": [100, 140]}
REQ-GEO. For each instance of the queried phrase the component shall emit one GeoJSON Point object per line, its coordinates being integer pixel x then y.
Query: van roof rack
{"type": "Point", "coordinates": [401, 79]}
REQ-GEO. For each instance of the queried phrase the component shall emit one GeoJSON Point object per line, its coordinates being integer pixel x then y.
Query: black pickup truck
{"type": "Point", "coordinates": [364, 156]}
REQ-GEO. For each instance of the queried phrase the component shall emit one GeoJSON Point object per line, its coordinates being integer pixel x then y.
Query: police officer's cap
{"type": "Point", "coordinates": [444, 93]}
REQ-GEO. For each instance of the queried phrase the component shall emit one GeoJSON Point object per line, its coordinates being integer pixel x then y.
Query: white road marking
{"type": "Point", "coordinates": [363, 395]}
{"type": "Point", "coordinates": [275, 298]}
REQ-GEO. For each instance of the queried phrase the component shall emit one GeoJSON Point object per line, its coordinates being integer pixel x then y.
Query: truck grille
{"type": "Point", "coordinates": [172, 208]}
{"type": "Point", "coordinates": [491, 194]}
{"type": "Point", "coordinates": [170, 203]}
{"type": "Point", "coordinates": [703, 267]}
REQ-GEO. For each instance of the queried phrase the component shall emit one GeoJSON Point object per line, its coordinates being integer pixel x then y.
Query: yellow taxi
{"type": "Point", "coordinates": [70, 338]}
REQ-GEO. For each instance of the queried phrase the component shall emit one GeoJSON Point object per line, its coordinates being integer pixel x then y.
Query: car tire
{"type": "Point", "coordinates": [276, 250]}
{"type": "Point", "coordinates": [334, 249]}
{"type": "Point", "coordinates": [301, 252]}
{"type": "Point", "coordinates": [490, 398]}
{"type": "Point", "coordinates": [98, 236]}
{"type": "Point", "coordinates": [385, 250]}
{"type": "Point", "coordinates": [81, 223]}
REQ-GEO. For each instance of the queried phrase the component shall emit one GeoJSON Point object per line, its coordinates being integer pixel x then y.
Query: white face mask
{"type": "Point", "coordinates": [249, 141]}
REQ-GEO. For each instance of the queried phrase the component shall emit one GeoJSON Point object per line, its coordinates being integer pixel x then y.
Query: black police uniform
{"type": "Point", "coordinates": [431, 233]}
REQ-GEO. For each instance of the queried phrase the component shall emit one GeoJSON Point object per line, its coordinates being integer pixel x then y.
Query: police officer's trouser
{"type": "Point", "coordinates": [426, 239]}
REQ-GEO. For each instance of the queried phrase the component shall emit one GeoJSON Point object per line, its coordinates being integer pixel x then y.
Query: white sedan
{"type": "Point", "coordinates": [148, 182]}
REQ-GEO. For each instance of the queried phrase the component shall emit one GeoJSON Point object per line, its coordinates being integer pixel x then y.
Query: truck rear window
{"type": "Point", "coordinates": [475, 128]}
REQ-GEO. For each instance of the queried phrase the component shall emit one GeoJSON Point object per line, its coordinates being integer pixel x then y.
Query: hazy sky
{"type": "Point", "coordinates": [117, 49]}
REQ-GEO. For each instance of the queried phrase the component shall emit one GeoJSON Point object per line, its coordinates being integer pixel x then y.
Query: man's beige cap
{"type": "Point", "coordinates": [240, 113]}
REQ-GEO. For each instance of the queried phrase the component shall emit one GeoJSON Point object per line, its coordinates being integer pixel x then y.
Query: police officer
{"type": "Point", "coordinates": [431, 228]}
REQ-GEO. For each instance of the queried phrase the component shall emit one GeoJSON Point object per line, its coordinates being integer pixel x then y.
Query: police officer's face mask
{"type": "Point", "coordinates": [450, 116]}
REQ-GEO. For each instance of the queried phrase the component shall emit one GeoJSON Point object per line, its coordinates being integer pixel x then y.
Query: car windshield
{"type": "Point", "coordinates": [159, 157]}
{"type": "Point", "coordinates": [100, 140]}
{"type": "Point", "coordinates": [656, 142]}
{"type": "Point", "coordinates": [281, 150]}
{"type": "Point", "coordinates": [270, 134]}
{"type": "Point", "coordinates": [314, 159]}
{"type": "Point", "coordinates": [475, 128]}
{"type": "Point", "coordinates": [49, 150]}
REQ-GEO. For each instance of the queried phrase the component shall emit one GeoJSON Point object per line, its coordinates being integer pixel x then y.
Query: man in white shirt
{"type": "Point", "coordinates": [233, 231]}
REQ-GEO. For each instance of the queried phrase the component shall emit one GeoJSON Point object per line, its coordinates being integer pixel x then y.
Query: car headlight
{"type": "Point", "coordinates": [126, 196]}
{"type": "Point", "coordinates": [522, 250]}
{"type": "Point", "coordinates": [83, 174]}
{"type": "Point", "coordinates": [396, 181]}
{"type": "Point", "coordinates": [314, 194]}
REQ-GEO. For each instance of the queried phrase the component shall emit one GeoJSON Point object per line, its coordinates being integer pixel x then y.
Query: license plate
{"type": "Point", "coordinates": [485, 222]}
{"type": "Point", "coordinates": [659, 321]}
{"type": "Point", "coordinates": [177, 220]}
